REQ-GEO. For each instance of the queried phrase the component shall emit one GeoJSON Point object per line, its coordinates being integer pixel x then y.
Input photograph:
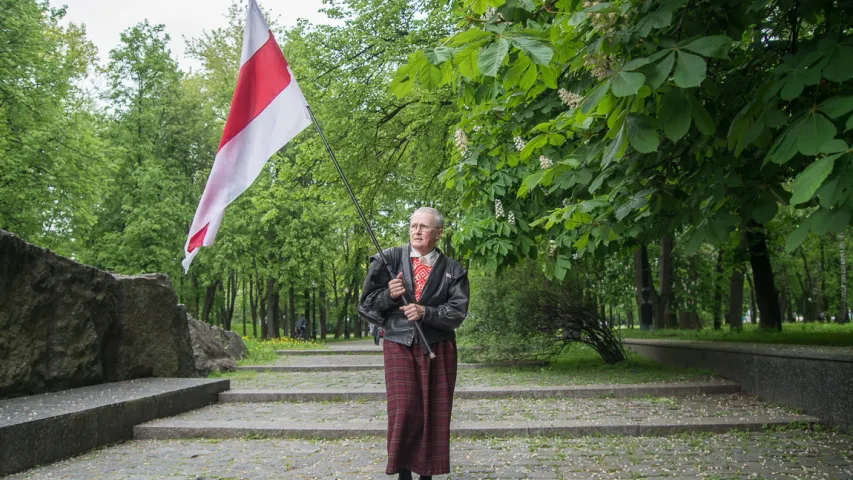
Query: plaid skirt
{"type": "Point", "coordinates": [420, 397]}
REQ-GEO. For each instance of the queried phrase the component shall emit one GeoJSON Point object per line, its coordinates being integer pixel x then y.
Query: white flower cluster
{"type": "Point", "coordinates": [545, 162]}
{"type": "Point", "coordinates": [499, 209]}
{"type": "Point", "coordinates": [520, 143]}
{"type": "Point", "coordinates": [489, 13]}
{"type": "Point", "coordinates": [552, 247]}
{"type": "Point", "coordinates": [461, 141]}
{"type": "Point", "coordinates": [598, 65]}
{"type": "Point", "coordinates": [510, 219]}
{"type": "Point", "coordinates": [477, 128]}
{"type": "Point", "coordinates": [571, 99]}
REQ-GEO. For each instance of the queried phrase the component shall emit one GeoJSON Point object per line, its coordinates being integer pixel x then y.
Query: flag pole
{"type": "Point", "coordinates": [417, 325]}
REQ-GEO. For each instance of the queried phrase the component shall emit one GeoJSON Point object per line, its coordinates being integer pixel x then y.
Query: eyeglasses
{"type": "Point", "coordinates": [420, 226]}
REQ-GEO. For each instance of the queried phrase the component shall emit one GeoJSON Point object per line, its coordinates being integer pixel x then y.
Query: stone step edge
{"type": "Point", "coordinates": [576, 391]}
{"type": "Point", "coordinates": [350, 367]}
{"type": "Point", "coordinates": [176, 429]}
{"type": "Point", "coordinates": [353, 351]}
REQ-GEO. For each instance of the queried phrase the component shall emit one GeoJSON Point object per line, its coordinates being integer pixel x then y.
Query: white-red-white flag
{"type": "Point", "coordinates": [267, 111]}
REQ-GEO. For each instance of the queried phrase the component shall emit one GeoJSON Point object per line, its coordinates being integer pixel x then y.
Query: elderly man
{"type": "Point", "coordinates": [419, 390]}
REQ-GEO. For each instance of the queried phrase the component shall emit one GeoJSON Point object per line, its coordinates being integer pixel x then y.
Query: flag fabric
{"type": "Point", "coordinates": [267, 111]}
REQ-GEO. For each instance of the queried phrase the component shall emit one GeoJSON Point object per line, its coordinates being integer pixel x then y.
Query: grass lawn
{"type": "Point", "coordinates": [579, 364]}
{"type": "Point", "coordinates": [829, 334]}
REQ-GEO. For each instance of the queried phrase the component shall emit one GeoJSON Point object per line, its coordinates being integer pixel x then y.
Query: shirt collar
{"type": "Point", "coordinates": [428, 259]}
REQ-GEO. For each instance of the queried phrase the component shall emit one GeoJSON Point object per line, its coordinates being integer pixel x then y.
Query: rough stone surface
{"type": "Point", "coordinates": [234, 345]}
{"type": "Point", "coordinates": [210, 348]}
{"type": "Point", "coordinates": [68, 325]}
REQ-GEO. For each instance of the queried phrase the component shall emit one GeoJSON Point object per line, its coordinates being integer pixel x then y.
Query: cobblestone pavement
{"type": "Point", "coordinates": [793, 454]}
{"type": "Point", "coordinates": [372, 413]}
{"type": "Point", "coordinates": [485, 377]}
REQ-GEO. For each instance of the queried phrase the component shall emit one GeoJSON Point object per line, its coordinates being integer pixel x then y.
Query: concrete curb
{"type": "Point", "coordinates": [348, 367]}
{"type": "Point", "coordinates": [579, 391]}
{"type": "Point", "coordinates": [41, 429]}
{"type": "Point", "coordinates": [166, 430]}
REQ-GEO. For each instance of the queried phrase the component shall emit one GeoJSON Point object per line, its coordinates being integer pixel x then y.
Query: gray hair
{"type": "Point", "coordinates": [439, 218]}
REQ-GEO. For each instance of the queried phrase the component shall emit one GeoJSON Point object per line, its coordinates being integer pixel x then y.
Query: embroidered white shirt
{"type": "Point", "coordinates": [428, 259]}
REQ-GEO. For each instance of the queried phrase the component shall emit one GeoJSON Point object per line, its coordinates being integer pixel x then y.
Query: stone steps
{"type": "Point", "coordinates": [529, 392]}
{"type": "Point", "coordinates": [319, 365]}
{"type": "Point", "coordinates": [183, 429]}
{"type": "Point", "coordinates": [39, 429]}
{"type": "Point", "coordinates": [476, 417]}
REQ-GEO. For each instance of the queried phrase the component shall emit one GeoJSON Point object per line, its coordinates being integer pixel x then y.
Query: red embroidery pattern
{"type": "Point", "coordinates": [421, 273]}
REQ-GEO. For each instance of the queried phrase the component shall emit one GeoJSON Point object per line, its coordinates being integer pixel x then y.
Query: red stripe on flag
{"type": "Point", "coordinates": [261, 79]}
{"type": "Point", "coordinates": [197, 239]}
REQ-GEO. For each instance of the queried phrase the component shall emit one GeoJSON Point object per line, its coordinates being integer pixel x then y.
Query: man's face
{"type": "Point", "coordinates": [423, 232]}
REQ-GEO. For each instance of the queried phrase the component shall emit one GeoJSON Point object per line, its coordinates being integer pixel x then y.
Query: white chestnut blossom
{"type": "Point", "coordinates": [519, 143]}
{"type": "Point", "coordinates": [511, 218]}
{"type": "Point", "coordinates": [489, 13]}
{"type": "Point", "coordinates": [571, 99]}
{"type": "Point", "coordinates": [461, 141]}
{"type": "Point", "coordinates": [545, 162]}
{"type": "Point", "coordinates": [499, 209]}
{"type": "Point", "coordinates": [552, 247]}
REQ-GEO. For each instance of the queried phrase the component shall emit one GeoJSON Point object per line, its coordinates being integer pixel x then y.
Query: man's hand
{"type": "Point", "coordinates": [396, 287]}
{"type": "Point", "coordinates": [413, 312]}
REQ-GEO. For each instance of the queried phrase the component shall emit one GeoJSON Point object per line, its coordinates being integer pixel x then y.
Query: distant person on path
{"type": "Point", "coordinates": [301, 327]}
{"type": "Point", "coordinates": [419, 390]}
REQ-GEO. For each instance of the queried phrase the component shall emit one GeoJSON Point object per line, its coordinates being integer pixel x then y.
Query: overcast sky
{"type": "Point", "coordinates": [106, 19]}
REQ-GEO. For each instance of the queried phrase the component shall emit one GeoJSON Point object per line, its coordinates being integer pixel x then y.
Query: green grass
{"type": "Point", "coordinates": [828, 334]}
{"type": "Point", "coordinates": [581, 365]}
{"type": "Point", "coordinates": [262, 352]}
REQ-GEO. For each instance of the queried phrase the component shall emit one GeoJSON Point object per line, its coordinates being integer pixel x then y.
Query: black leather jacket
{"type": "Point", "coordinates": [445, 297]}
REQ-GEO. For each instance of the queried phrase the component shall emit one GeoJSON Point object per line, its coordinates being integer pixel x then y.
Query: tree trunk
{"type": "Point", "coordinates": [808, 290]}
{"type": "Point", "coordinates": [253, 305]}
{"type": "Point", "coordinates": [821, 294]}
{"type": "Point", "coordinates": [209, 296]}
{"type": "Point", "coordinates": [291, 310]}
{"type": "Point", "coordinates": [357, 323]}
{"type": "Point", "coordinates": [323, 302]}
{"type": "Point", "coordinates": [307, 305]}
{"type": "Point", "coordinates": [195, 295]}
{"type": "Point", "coordinates": [843, 316]}
{"type": "Point", "coordinates": [735, 316]}
{"type": "Point", "coordinates": [665, 310]}
{"type": "Point", "coordinates": [753, 313]}
{"type": "Point", "coordinates": [765, 287]}
{"type": "Point", "coordinates": [718, 289]}
{"type": "Point", "coordinates": [643, 287]}
{"type": "Point", "coordinates": [270, 323]}
{"type": "Point", "coordinates": [243, 302]}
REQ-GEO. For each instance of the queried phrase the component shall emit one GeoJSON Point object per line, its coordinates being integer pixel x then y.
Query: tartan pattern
{"type": "Point", "coordinates": [421, 272]}
{"type": "Point", "coordinates": [420, 399]}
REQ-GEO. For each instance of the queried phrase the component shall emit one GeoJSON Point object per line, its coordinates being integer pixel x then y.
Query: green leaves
{"type": "Point", "coordinates": [490, 59]}
{"type": "Point", "coordinates": [536, 50]}
{"type": "Point", "coordinates": [674, 114]}
{"type": "Point", "coordinates": [837, 106]}
{"type": "Point", "coordinates": [807, 183]}
{"type": "Point", "coordinates": [815, 132]}
{"type": "Point", "coordinates": [798, 236]}
{"type": "Point", "coordinates": [642, 133]}
{"type": "Point", "coordinates": [689, 71]}
{"type": "Point", "coordinates": [627, 83]}
{"type": "Point", "coordinates": [716, 46]}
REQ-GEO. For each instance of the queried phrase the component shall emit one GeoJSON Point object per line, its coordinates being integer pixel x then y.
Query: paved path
{"type": "Point", "coordinates": [782, 455]}
{"type": "Point", "coordinates": [794, 452]}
